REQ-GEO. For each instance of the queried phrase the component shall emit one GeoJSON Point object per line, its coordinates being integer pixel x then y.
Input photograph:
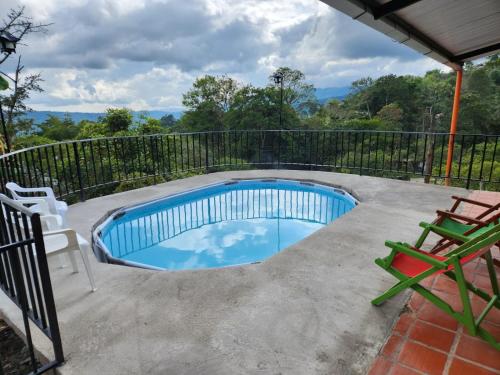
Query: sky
{"type": "Point", "coordinates": [144, 54]}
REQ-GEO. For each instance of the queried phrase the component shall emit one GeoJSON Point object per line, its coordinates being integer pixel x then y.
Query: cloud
{"type": "Point", "coordinates": [101, 53]}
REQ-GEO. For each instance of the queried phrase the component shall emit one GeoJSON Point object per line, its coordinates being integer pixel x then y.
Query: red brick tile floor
{"type": "Point", "coordinates": [425, 340]}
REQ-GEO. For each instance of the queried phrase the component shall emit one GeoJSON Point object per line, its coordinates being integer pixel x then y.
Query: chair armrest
{"type": "Point", "coordinates": [46, 190]}
{"type": "Point", "coordinates": [467, 219]}
{"type": "Point", "coordinates": [444, 232]}
{"type": "Point", "coordinates": [69, 233]}
{"type": "Point", "coordinates": [471, 201]}
{"type": "Point", "coordinates": [41, 201]}
{"type": "Point", "coordinates": [405, 249]}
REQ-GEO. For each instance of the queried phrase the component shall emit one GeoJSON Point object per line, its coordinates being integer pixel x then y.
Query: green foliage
{"type": "Point", "coordinates": [90, 129]}
{"type": "Point", "coordinates": [410, 103]}
{"type": "Point", "coordinates": [30, 141]}
{"type": "Point", "coordinates": [219, 91]}
{"type": "Point", "coordinates": [24, 126]}
{"type": "Point", "coordinates": [297, 92]}
{"type": "Point", "coordinates": [151, 126]}
{"type": "Point", "coordinates": [390, 114]}
{"type": "Point", "coordinates": [259, 108]}
{"type": "Point", "coordinates": [59, 130]}
{"type": "Point", "coordinates": [365, 124]}
{"type": "Point", "coordinates": [4, 85]}
{"type": "Point", "coordinates": [207, 116]}
{"type": "Point", "coordinates": [138, 183]}
{"type": "Point", "coordinates": [207, 102]}
{"type": "Point", "coordinates": [118, 119]}
{"type": "Point", "coordinates": [167, 121]}
{"type": "Point", "coordinates": [220, 103]}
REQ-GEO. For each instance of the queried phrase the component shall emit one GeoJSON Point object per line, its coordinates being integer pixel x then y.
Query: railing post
{"type": "Point", "coordinates": [22, 300]}
{"type": "Point", "coordinates": [79, 171]}
{"type": "Point", "coordinates": [279, 148]}
{"type": "Point", "coordinates": [153, 158]}
{"type": "Point", "coordinates": [361, 157]}
{"type": "Point", "coordinates": [469, 175]}
{"type": "Point", "coordinates": [206, 152]}
{"type": "Point", "coordinates": [55, 334]}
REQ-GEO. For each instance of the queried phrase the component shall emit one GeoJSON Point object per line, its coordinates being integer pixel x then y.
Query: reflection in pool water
{"type": "Point", "coordinates": [223, 225]}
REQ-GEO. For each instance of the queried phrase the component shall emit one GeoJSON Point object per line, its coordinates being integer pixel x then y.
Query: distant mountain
{"type": "Point", "coordinates": [327, 93]}
{"type": "Point", "coordinates": [41, 116]}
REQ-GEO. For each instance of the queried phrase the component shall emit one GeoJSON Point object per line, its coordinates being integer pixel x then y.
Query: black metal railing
{"type": "Point", "coordinates": [25, 279]}
{"type": "Point", "coordinates": [78, 169]}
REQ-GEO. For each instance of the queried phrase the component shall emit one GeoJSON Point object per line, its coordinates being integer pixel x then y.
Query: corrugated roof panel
{"type": "Point", "coordinates": [440, 29]}
{"type": "Point", "coordinates": [457, 25]}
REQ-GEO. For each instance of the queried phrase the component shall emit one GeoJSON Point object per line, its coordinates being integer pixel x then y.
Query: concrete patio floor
{"type": "Point", "coordinates": [306, 310]}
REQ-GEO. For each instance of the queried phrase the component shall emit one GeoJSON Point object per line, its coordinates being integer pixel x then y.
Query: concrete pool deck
{"type": "Point", "coordinates": [305, 310]}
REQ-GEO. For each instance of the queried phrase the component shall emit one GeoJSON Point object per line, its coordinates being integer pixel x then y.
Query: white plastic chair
{"type": "Point", "coordinates": [59, 240]}
{"type": "Point", "coordinates": [48, 220]}
{"type": "Point", "coordinates": [68, 241]}
{"type": "Point", "coordinates": [55, 207]}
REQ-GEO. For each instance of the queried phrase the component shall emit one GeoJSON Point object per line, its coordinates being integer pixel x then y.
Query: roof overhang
{"type": "Point", "coordinates": [449, 31]}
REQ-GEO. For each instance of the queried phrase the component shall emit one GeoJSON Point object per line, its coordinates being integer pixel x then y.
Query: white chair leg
{"type": "Point", "coordinates": [72, 260]}
{"type": "Point", "coordinates": [62, 263]}
{"type": "Point", "coordinates": [70, 254]}
{"type": "Point", "coordinates": [83, 251]}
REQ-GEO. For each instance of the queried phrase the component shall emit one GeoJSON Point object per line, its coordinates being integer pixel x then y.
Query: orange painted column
{"type": "Point", "coordinates": [453, 126]}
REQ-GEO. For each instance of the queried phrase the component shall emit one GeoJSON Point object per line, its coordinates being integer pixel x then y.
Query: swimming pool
{"type": "Point", "coordinates": [230, 223]}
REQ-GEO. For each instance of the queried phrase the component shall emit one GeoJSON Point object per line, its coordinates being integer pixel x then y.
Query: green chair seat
{"type": "Point", "coordinates": [460, 228]}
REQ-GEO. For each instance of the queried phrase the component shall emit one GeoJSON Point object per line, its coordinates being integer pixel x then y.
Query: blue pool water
{"type": "Point", "coordinates": [222, 225]}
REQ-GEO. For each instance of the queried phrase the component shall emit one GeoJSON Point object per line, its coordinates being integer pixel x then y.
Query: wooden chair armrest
{"type": "Point", "coordinates": [444, 232]}
{"type": "Point", "coordinates": [465, 218]}
{"type": "Point", "coordinates": [471, 201]}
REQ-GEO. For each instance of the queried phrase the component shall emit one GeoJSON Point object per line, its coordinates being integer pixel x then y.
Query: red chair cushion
{"type": "Point", "coordinates": [411, 267]}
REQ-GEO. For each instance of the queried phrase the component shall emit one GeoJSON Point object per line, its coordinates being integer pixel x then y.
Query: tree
{"type": "Point", "coordinates": [258, 108]}
{"type": "Point", "coordinates": [151, 126]}
{"type": "Point", "coordinates": [31, 140]}
{"type": "Point", "coordinates": [296, 92]}
{"type": "Point", "coordinates": [217, 90]}
{"type": "Point", "coordinates": [167, 121]}
{"type": "Point", "coordinates": [207, 116]}
{"type": "Point", "coordinates": [59, 130]}
{"type": "Point", "coordinates": [91, 129]}
{"type": "Point", "coordinates": [24, 126]}
{"type": "Point", "coordinates": [207, 102]}
{"type": "Point", "coordinates": [360, 91]}
{"type": "Point", "coordinates": [118, 119]}
{"type": "Point", "coordinates": [19, 26]}
{"type": "Point", "coordinates": [391, 114]}
{"type": "Point", "coordinates": [14, 104]}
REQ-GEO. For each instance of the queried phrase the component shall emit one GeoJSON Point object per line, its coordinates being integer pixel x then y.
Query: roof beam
{"type": "Point", "coordinates": [391, 7]}
{"type": "Point", "coordinates": [477, 52]}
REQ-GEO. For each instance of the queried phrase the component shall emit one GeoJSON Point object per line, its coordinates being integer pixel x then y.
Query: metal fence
{"type": "Point", "coordinates": [25, 279]}
{"type": "Point", "coordinates": [77, 169]}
